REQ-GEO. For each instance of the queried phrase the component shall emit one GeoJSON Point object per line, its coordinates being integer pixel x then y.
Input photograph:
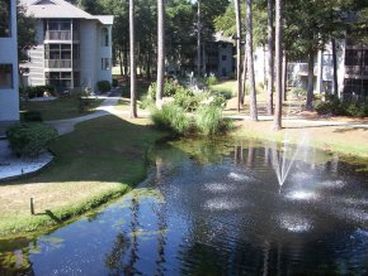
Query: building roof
{"type": "Point", "coordinates": [61, 9]}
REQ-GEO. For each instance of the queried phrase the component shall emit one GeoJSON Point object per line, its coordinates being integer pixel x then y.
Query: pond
{"type": "Point", "coordinates": [216, 208]}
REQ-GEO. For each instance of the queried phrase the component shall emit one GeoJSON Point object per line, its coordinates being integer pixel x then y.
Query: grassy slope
{"type": "Point", "coordinates": [102, 159]}
{"type": "Point", "coordinates": [335, 139]}
{"type": "Point", "coordinates": [62, 108]}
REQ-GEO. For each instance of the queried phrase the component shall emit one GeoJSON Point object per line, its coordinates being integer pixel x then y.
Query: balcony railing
{"type": "Point", "coordinates": [61, 35]}
{"type": "Point", "coordinates": [61, 63]}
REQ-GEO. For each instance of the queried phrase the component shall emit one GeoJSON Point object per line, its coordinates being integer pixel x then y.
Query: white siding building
{"type": "Point", "coordinates": [9, 94]}
{"type": "Point", "coordinates": [74, 48]}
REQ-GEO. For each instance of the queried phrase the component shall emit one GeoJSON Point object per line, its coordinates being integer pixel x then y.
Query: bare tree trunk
{"type": "Point", "coordinates": [244, 77]}
{"type": "Point", "coordinates": [133, 96]}
{"type": "Point", "coordinates": [160, 52]}
{"type": "Point", "coordinates": [252, 82]}
{"type": "Point", "coordinates": [309, 104]}
{"type": "Point", "coordinates": [270, 59]}
{"type": "Point", "coordinates": [120, 61]}
{"type": "Point", "coordinates": [284, 76]}
{"type": "Point", "coordinates": [199, 38]}
{"type": "Point", "coordinates": [126, 59]}
{"type": "Point", "coordinates": [238, 52]}
{"type": "Point", "coordinates": [278, 63]}
{"type": "Point", "coordinates": [334, 61]}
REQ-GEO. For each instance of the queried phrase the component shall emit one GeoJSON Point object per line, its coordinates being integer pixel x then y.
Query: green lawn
{"type": "Point", "coordinates": [101, 159]}
{"type": "Point", "coordinates": [62, 108]}
{"type": "Point", "coordinates": [226, 86]}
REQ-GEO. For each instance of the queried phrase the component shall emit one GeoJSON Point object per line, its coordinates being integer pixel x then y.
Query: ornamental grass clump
{"type": "Point", "coordinates": [172, 118]}
{"type": "Point", "coordinates": [209, 120]}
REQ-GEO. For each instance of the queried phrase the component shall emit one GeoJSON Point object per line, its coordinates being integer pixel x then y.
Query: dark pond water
{"type": "Point", "coordinates": [216, 208]}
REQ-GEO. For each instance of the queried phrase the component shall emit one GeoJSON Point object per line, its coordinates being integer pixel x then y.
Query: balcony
{"type": "Point", "coordinates": [61, 64]}
{"type": "Point", "coordinates": [61, 35]}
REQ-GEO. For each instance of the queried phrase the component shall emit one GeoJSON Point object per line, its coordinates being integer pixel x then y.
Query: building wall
{"type": "Point", "coordinates": [105, 52]}
{"type": "Point", "coordinates": [88, 53]}
{"type": "Point", "coordinates": [226, 67]}
{"type": "Point", "coordinates": [9, 98]}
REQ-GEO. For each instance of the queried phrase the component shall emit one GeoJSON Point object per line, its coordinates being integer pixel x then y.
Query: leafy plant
{"type": "Point", "coordinates": [104, 86]}
{"type": "Point", "coordinates": [30, 139]}
{"type": "Point", "coordinates": [209, 120]}
{"type": "Point", "coordinates": [172, 118]}
{"type": "Point", "coordinates": [299, 92]}
{"type": "Point", "coordinates": [39, 91]}
{"type": "Point", "coordinates": [115, 83]}
{"type": "Point", "coordinates": [32, 116]}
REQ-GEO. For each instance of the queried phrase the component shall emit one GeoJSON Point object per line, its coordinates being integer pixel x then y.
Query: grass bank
{"type": "Point", "coordinates": [61, 108]}
{"type": "Point", "coordinates": [100, 160]}
{"type": "Point", "coordinates": [345, 140]}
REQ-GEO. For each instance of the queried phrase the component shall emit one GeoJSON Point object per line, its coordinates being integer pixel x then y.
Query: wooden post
{"type": "Point", "coordinates": [31, 206]}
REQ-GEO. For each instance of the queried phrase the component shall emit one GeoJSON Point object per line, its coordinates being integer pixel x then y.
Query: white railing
{"type": "Point", "coordinates": [61, 35]}
{"type": "Point", "coordinates": [58, 63]}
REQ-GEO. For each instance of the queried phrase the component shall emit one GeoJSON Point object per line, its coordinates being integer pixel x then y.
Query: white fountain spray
{"type": "Point", "coordinates": [284, 161]}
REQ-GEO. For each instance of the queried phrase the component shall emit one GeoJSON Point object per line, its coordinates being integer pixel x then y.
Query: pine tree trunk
{"type": "Point", "coordinates": [244, 76]}
{"type": "Point", "coordinates": [284, 76]}
{"type": "Point", "coordinates": [278, 63]}
{"type": "Point", "coordinates": [133, 96]}
{"type": "Point", "coordinates": [238, 52]}
{"type": "Point", "coordinates": [270, 59]}
{"type": "Point", "coordinates": [160, 52]}
{"type": "Point", "coordinates": [252, 82]}
{"type": "Point", "coordinates": [309, 104]}
{"type": "Point", "coordinates": [334, 61]}
{"type": "Point", "coordinates": [121, 62]}
{"type": "Point", "coordinates": [199, 38]}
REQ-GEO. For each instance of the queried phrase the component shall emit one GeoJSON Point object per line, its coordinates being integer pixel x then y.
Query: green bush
{"type": "Point", "coordinates": [39, 91]}
{"type": "Point", "coordinates": [115, 83]}
{"type": "Point", "coordinates": [32, 116]}
{"type": "Point", "coordinates": [334, 106]}
{"type": "Point", "coordinates": [30, 139]}
{"type": "Point", "coordinates": [299, 92]}
{"type": "Point", "coordinates": [104, 86]}
{"type": "Point", "coordinates": [186, 99]}
{"type": "Point", "coordinates": [211, 80]}
{"type": "Point", "coordinates": [209, 120]}
{"type": "Point", "coordinates": [170, 88]}
{"type": "Point", "coordinates": [172, 118]}
{"type": "Point", "coordinates": [357, 110]}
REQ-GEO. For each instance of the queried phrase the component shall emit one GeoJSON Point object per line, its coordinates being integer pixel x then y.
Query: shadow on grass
{"type": "Point", "coordinates": [106, 149]}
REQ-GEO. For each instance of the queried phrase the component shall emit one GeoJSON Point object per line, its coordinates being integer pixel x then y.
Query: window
{"type": "Point", "coordinates": [5, 18]}
{"type": "Point", "coordinates": [105, 64]}
{"type": "Point", "coordinates": [353, 57]}
{"type": "Point", "coordinates": [6, 76]}
{"type": "Point", "coordinates": [224, 58]}
{"type": "Point", "coordinates": [105, 37]}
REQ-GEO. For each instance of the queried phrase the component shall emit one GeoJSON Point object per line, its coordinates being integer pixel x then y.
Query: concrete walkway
{"type": "Point", "coordinates": [107, 107]}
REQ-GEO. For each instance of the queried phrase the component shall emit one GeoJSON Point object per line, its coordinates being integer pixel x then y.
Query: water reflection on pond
{"type": "Point", "coordinates": [214, 208]}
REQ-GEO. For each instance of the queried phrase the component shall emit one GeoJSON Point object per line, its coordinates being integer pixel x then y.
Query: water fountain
{"type": "Point", "coordinates": [282, 162]}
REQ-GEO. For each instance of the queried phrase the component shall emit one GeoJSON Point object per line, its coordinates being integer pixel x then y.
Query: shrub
{"type": "Point", "coordinates": [334, 106]}
{"type": "Point", "coordinates": [32, 116]}
{"type": "Point", "coordinates": [30, 139]}
{"type": "Point", "coordinates": [209, 120]}
{"type": "Point", "coordinates": [299, 92]}
{"type": "Point", "coordinates": [172, 118]}
{"type": "Point", "coordinates": [211, 80]}
{"type": "Point", "coordinates": [186, 99]}
{"type": "Point", "coordinates": [39, 91]}
{"type": "Point", "coordinates": [357, 110]}
{"type": "Point", "coordinates": [170, 88]}
{"type": "Point", "coordinates": [103, 86]}
{"type": "Point", "coordinates": [115, 83]}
